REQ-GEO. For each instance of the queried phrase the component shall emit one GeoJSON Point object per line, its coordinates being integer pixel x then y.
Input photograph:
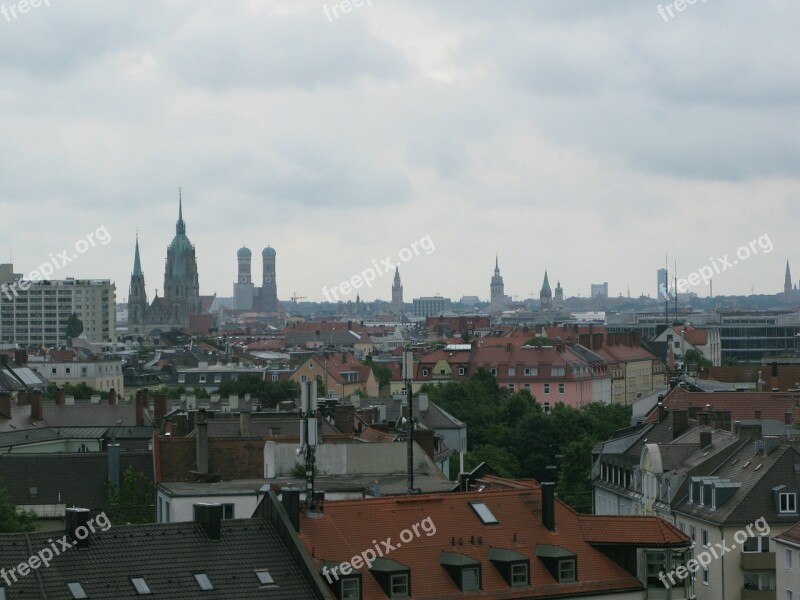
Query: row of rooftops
{"type": "Point", "coordinates": [514, 539]}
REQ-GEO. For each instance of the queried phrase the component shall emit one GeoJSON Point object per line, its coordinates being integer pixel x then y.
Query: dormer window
{"type": "Point", "coordinates": [566, 570]}
{"type": "Point", "coordinates": [464, 570]}
{"type": "Point", "coordinates": [519, 574]}
{"type": "Point", "coordinates": [393, 577]}
{"type": "Point", "coordinates": [787, 503]}
{"type": "Point", "coordinates": [399, 586]}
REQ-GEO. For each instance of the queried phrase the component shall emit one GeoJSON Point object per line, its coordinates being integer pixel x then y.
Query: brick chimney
{"type": "Point", "coordinates": [201, 424]}
{"type": "Point", "coordinates": [112, 396]}
{"type": "Point", "coordinates": [20, 357]}
{"type": "Point", "coordinates": [5, 404]}
{"type": "Point", "coordinates": [160, 408]}
{"type": "Point", "coordinates": [36, 405]}
{"type": "Point", "coordinates": [61, 397]}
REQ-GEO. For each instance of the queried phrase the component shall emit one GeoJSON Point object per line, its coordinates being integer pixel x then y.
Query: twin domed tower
{"type": "Point", "coordinates": [246, 296]}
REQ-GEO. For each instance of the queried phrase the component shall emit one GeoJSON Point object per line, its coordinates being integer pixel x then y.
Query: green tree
{"type": "Point", "coordinates": [132, 500]}
{"type": "Point", "coordinates": [12, 519]}
{"type": "Point", "coordinates": [73, 329]}
{"type": "Point", "coordinates": [382, 373]}
{"type": "Point", "coordinates": [693, 357]}
{"type": "Point", "coordinates": [540, 341]}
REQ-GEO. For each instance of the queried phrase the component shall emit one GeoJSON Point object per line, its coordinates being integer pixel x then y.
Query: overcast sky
{"type": "Point", "coordinates": [589, 138]}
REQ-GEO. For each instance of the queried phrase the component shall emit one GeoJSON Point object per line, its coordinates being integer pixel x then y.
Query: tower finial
{"type": "Point", "coordinates": [180, 226]}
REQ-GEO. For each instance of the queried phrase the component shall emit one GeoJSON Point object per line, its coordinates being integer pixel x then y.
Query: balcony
{"type": "Point", "coordinates": [758, 594]}
{"type": "Point", "coordinates": [758, 561]}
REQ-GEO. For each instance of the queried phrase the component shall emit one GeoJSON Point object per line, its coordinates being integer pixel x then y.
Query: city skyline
{"type": "Point", "coordinates": [579, 123]}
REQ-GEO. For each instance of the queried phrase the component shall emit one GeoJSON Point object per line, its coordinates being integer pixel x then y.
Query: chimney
{"type": "Point", "coordinates": [160, 408]}
{"type": "Point", "coordinates": [244, 423]}
{"type": "Point", "coordinates": [113, 464]}
{"type": "Point", "coordinates": [112, 396]}
{"type": "Point", "coordinates": [209, 516]}
{"type": "Point", "coordinates": [20, 357]}
{"type": "Point", "coordinates": [139, 409]}
{"type": "Point", "coordinates": [61, 397]}
{"type": "Point", "coordinates": [680, 422]}
{"type": "Point", "coordinates": [705, 439]}
{"type": "Point", "coordinates": [36, 405]}
{"type": "Point", "coordinates": [5, 404]}
{"type": "Point", "coordinates": [75, 520]}
{"type": "Point", "coordinates": [549, 505]}
{"type": "Point", "coordinates": [201, 425]}
{"type": "Point", "coordinates": [291, 503]}
{"type": "Point", "coordinates": [662, 412]}
{"type": "Point", "coordinates": [344, 357]}
{"type": "Point", "coordinates": [343, 418]}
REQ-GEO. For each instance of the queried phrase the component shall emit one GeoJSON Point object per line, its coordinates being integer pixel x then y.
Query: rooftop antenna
{"type": "Point", "coordinates": [309, 435]}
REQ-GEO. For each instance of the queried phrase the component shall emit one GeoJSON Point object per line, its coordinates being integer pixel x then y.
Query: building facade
{"type": "Point", "coordinates": [35, 313]}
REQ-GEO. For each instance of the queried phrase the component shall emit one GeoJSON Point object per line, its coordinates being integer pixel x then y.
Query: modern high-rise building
{"type": "Point", "coordinates": [662, 285]}
{"type": "Point", "coordinates": [35, 313]}
{"type": "Point", "coordinates": [181, 287]}
{"type": "Point", "coordinates": [431, 306]}
{"type": "Point", "coordinates": [246, 295]}
{"type": "Point", "coordinates": [397, 293]}
{"type": "Point", "coordinates": [599, 290]}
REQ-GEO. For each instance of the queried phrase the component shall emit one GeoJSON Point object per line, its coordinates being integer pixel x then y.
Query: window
{"type": "Point", "coordinates": [788, 502]}
{"type": "Point", "coordinates": [789, 595]}
{"type": "Point", "coordinates": [351, 588]}
{"type": "Point", "coordinates": [531, 371]}
{"type": "Point", "coordinates": [140, 585]}
{"type": "Point", "coordinates": [758, 581]}
{"type": "Point", "coordinates": [217, 378]}
{"type": "Point", "coordinates": [398, 585]}
{"type": "Point", "coordinates": [202, 378]}
{"type": "Point", "coordinates": [303, 379]}
{"type": "Point", "coordinates": [704, 535]}
{"type": "Point", "coordinates": [511, 386]}
{"type": "Point", "coordinates": [693, 533]}
{"type": "Point", "coordinates": [547, 407]}
{"type": "Point", "coordinates": [519, 574]}
{"type": "Point", "coordinates": [527, 386]}
{"type": "Point", "coordinates": [557, 371]}
{"type": "Point", "coordinates": [68, 370]}
{"type": "Point", "coordinates": [512, 371]}
{"type": "Point", "coordinates": [461, 370]}
{"type": "Point", "coordinates": [493, 371]}
{"type": "Point", "coordinates": [264, 578]}
{"type": "Point", "coordinates": [484, 513]}
{"type": "Point", "coordinates": [788, 559]}
{"type": "Point", "coordinates": [756, 544]}
{"type": "Point", "coordinates": [424, 372]}
{"type": "Point", "coordinates": [682, 526]}
{"type": "Point", "coordinates": [227, 511]}
{"type": "Point", "coordinates": [546, 388]}
{"type": "Point", "coordinates": [560, 388]}
{"type": "Point", "coordinates": [566, 571]}
{"type": "Point", "coordinates": [203, 581]}
{"type": "Point", "coordinates": [33, 492]}
{"type": "Point", "coordinates": [470, 579]}
{"type": "Point", "coordinates": [76, 589]}
{"type": "Point", "coordinates": [181, 378]}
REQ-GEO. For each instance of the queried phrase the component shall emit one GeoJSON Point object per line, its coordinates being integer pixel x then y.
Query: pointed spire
{"type": "Point", "coordinates": [788, 274]}
{"type": "Point", "coordinates": [546, 283]}
{"type": "Point", "coordinates": [180, 226]}
{"type": "Point", "coordinates": [137, 263]}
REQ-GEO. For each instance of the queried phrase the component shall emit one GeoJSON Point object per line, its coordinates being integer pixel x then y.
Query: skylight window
{"type": "Point", "coordinates": [203, 581]}
{"type": "Point", "coordinates": [265, 578]}
{"type": "Point", "coordinates": [484, 513]}
{"type": "Point", "coordinates": [141, 586]}
{"type": "Point", "coordinates": [76, 589]}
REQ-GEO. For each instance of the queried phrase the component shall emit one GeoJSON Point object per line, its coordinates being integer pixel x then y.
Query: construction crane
{"type": "Point", "coordinates": [295, 298]}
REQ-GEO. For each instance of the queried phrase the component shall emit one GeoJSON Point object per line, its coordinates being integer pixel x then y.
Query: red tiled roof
{"type": "Point", "coordinates": [638, 530]}
{"type": "Point", "coordinates": [742, 405]}
{"type": "Point", "coordinates": [447, 523]}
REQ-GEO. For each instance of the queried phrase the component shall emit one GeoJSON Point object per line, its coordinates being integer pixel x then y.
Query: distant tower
{"type": "Point", "coordinates": [397, 294]}
{"type": "Point", "coordinates": [181, 286]}
{"type": "Point", "coordinates": [137, 295]}
{"type": "Point", "coordinates": [787, 283]}
{"type": "Point", "coordinates": [496, 290]}
{"type": "Point", "coordinates": [662, 285]}
{"type": "Point", "coordinates": [243, 288]}
{"type": "Point", "coordinates": [269, 291]}
{"type": "Point", "coordinates": [559, 300]}
{"type": "Point", "coordinates": [546, 294]}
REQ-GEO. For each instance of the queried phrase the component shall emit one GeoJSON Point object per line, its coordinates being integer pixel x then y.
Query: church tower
{"type": "Point", "coordinates": [137, 295]}
{"type": "Point", "coordinates": [496, 290]}
{"type": "Point", "coordinates": [181, 285]}
{"type": "Point", "coordinates": [397, 294]}
{"type": "Point", "coordinates": [559, 299]}
{"type": "Point", "coordinates": [269, 290]}
{"type": "Point", "coordinates": [546, 295]}
{"type": "Point", "coordinates": [243, 288]}
{"type": "Point", "coordinates": [787, 282]}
